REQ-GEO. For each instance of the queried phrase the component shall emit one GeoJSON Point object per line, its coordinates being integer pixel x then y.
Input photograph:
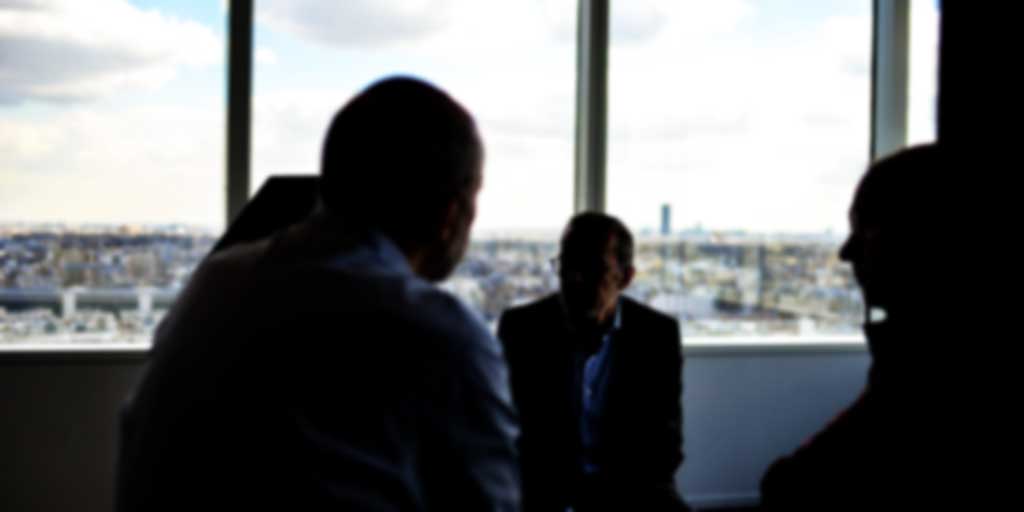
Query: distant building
{"type": "Point", "coordinates": [666, 219]}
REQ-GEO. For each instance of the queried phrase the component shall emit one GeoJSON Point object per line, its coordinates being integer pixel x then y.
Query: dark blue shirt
{"type": "Point", "coordinates": [595, 380]}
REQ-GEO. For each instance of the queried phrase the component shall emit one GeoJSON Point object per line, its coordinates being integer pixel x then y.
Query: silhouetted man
{"type": "Point", "coordinates": [320, 368]}
{"type": "Point", "coordinates": [896, 446]}
{"type": "Point", "coordinates": [597, 380]}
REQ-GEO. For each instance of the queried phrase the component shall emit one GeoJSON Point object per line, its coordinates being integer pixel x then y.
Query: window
{"type": "Point", "coordinates": [737, 132]}
{"type": "Point", "coordinates": [510, 63]}
{"type": "Point", "coordinates": [111, 163]}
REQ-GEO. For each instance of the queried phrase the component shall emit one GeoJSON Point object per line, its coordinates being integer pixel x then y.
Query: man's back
{"type": "Point", "coordinates": [294, 377]}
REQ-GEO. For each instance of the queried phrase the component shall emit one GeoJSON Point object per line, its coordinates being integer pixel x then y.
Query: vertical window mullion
{"type": "Point", "coordinates": [240, 29]}
{"type": "Point", "coordinates": [889, 76]}
{"type": "Point", "coordinates": [591, 105]}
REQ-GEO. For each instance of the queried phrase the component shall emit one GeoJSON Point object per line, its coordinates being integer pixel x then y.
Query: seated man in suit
{"type": "Point", "coordinates": [320, 368]}
{"type": "Point", "coordinates": [896, 447]}
{"type": "Point", "coordinates": [597, 380]}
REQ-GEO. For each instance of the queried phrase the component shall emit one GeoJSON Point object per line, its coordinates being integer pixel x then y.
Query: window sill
{"type": "Point", "coordinates": [73, 352]}
{"type": "Point", "coordinates": [773, 344]}
{"type": "Point", "coordinates": [698, 346]}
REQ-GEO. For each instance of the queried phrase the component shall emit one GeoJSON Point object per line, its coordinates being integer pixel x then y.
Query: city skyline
{"type": "Point", "coordinates": [60, 285]}
{"type": "Point", "coordinates": [644, 232]}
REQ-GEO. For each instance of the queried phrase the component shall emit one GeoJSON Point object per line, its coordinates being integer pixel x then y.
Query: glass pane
{"type": "Point", "coordinates": [111, 163]}
{"type": "Point", "coordinates": [737, 132]}
{"type": "Point", "coordinates": [511, 64]}
{"type": "Point", "coordinates": [924, 71]}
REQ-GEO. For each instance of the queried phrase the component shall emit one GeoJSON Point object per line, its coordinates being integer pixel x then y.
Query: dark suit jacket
{"type": "Point", "coordinates": [286, 378]}
{"type": "Point", "coordinates": [642, 424]}
{"type": "Point", "coordinates": [897, 447]}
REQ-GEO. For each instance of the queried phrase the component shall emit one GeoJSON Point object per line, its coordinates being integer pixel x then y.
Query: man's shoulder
{"type": "Point", "coordinates": [640, 314]}
{"type": "Point", "coordinates": [639, 309]}
{"type": "Point", "coordinates": [232, 262]}
{"type": "Point", "coordinates": [363, 298]}
{"type": "Point", "coordinates": [220, 280]}
{"type": "Point", "coordinates": [394, 302]}
{"type": "Point", "coordinates": [531, 311]}
{"type": "Point", "coordinates": [440, 311]}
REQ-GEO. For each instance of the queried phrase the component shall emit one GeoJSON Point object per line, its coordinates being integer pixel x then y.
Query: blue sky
{"type": "Point", "coordinates": [741, 114]}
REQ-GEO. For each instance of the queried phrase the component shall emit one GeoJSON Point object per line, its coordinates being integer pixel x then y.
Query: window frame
{"type": "Point", "coordinates": [888, 131]}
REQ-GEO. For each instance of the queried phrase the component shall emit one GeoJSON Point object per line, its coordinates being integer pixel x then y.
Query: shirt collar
{"type": "Point", "coordinates": [374, 250]}
{"type": "Point", "coordinates": [617, 320]}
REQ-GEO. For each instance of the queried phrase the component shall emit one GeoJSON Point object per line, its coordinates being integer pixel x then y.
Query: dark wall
{"type": "Point", "coordinates": [57, 432]}
{"type": "Point", "coordinates": [744, 408]}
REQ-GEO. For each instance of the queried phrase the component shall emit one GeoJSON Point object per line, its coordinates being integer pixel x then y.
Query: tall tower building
{"type": "Point", "coordinates": [666, 219]}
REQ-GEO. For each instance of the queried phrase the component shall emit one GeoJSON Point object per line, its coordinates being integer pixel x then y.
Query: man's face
{"type": "Point", "coordinates": [454, 241]}
{"type": "Point", "coordinates": [866, 251]}
{"type": "Point", "coordinates": [591, 281]}
{"type": "Point", "coordinates": [460, 242]}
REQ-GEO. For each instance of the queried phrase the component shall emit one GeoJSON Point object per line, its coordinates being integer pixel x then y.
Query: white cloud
{"type": "Point", "coordinates": [265, 55]}
{"type": "Point", "coordinates": [637, 20]}
{"type": "Point", "coordinates": [354, 22]}
{"type": "Point", "coordinates": [528, 161]}
{"type": "Point", "coordinates": [736, 129]}
{"type": "Point", "coordinates": [97, 163]}
{"type": "Point", "coordinates": [22, 4]}
{"type": "Point", "coordinates": [503, 60]}
{"type": "Point", "coordinates": [61, 50]}
{"type": "Point", "coordinates": [106, 160]}
{"type": "Point", "coordinates": [288, 130]}
{"type": "Point", "coordinates": [487, 28]}
{"type": "Point", "coordinates": [694, 21]}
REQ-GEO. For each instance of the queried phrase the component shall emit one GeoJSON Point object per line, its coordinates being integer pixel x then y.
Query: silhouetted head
{"type": "Point", "coordinates": [405, 159]}
{"type": "Point", "coordinates": [595, 265]}
{"type": "Point", "coordinates": [895, 231]}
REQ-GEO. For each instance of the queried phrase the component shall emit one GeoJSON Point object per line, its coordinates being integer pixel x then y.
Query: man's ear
{"type": "Point", "coordinates": [449, 221]}
{"type": "Point", "coordinates": [627, 277]}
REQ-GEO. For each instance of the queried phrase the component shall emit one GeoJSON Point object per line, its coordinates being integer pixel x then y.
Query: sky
{"type": "Point", "coordinates": [740, 114]}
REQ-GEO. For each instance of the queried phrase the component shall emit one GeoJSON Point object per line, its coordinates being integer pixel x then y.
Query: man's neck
{"type": "Point", "coordinates": [602, 321]}
{"type": "Point", "coordinates": [417, 260]}
{"type": "Point", "coordinates": [606, 316]}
